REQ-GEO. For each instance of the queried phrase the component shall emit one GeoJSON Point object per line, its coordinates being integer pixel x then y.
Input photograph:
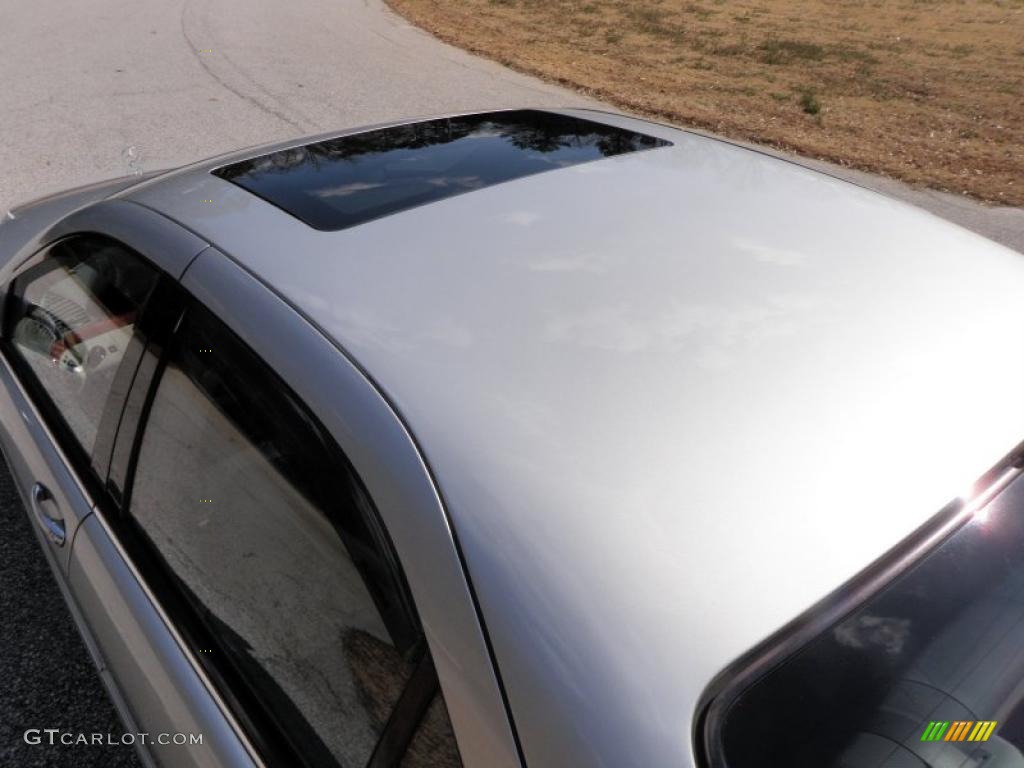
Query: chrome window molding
{"type": "Point", "coordinates": [726, 687]}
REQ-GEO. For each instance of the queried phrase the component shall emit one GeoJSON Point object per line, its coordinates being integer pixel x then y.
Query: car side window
{"type": "Point", "coordinates": [269, 537]}
{"type": "Point", "coordinates": [72, 318]}
{"type": "Point", "coordinates": [433, 744]}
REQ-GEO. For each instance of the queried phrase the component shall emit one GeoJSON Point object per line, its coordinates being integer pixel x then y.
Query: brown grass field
{"type": "Point", "coordinates": [928, 91]}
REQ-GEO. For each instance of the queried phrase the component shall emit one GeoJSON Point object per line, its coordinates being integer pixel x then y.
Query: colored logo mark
{"type": "Point", "coordinates": [958, 730]}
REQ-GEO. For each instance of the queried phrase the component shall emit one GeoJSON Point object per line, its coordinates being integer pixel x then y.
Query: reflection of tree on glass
{"type": "Point", "coordinates": [345, 181]}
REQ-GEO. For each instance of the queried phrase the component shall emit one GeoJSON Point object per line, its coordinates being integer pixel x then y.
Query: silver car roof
{"type": "Point", "coordinates": [671, 398]}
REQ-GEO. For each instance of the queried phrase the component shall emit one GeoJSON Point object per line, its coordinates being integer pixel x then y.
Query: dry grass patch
{"type": "Point", "coordinates": [930, 91]}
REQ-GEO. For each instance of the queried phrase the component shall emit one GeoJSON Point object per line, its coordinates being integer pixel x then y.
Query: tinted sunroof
{"type": "Point", "coordinates": [349, 180]}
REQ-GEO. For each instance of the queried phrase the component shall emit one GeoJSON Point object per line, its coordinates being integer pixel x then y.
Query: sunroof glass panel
{"type": "Point", "coordinates": [349, 180]}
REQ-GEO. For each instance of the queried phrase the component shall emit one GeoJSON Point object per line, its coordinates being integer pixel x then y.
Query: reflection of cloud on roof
{"type": "Point", "coordinates": [521, 218]}
{"type": "Point", "coordinates": [767, 254]}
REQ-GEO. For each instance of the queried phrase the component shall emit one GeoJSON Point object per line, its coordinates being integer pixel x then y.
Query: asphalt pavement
{"type": "Point", "coordinates": [47, 679]}
{"type": "Point", "coordinates": [98, 89]}
{"type": "Point", "coordinates": [104, 88]}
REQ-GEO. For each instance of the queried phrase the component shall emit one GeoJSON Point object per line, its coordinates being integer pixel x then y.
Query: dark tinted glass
{"type": "Point", "coordinates": [270, 538]}
{"type": "Point", "coordinates": [916, 677]}
{"type": "Point", "coordinates": [346, 181]}
{"type": "Point", "coordinates": [75, 316]}
{"type": "Point", "coordinates": [433, 745]}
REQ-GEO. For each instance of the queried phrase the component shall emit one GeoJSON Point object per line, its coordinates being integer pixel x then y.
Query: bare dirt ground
{"type": "Point", "coordinates": [927, 91]}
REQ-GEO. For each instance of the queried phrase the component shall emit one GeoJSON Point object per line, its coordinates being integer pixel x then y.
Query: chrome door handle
{"type": "Point", "coordinates": [47, 513]}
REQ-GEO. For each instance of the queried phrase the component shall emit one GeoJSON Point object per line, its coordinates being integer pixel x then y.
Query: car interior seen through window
{"type": "Point", "coordinates": [73, 315]}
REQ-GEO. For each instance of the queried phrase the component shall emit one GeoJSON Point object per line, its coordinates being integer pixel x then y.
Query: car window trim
{"type": "Point", "coordinates": [90, 466]}
{"type": "Point", "coordinates": [260, 730]}
{"type": "Point", "coordinates": [726, 687]}
{"type": "Point", "coordinates": [266, 737]}
{"type": "Point", "coordinates": [407, 715]}
{"type": "Point", "coordinates": [159, 326]}
{"type": "Point", "coordinates": [242, 298]}
{"type": "Point", "coordinates": [77, 460]}
{"type": "Point", "coordinates": [113, 529]}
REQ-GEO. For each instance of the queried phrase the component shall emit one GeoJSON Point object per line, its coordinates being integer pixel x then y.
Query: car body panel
{"type": "Point", "coordinates": [34, 458]}
{"type": "Point", "coordinates": [389, 464]}
{"type": "Point", "coordinates": [165, 243]}
{"type": "Point", "coordinates": [147, 673]}
{"type": "Point", "coordinates": [34, 454]}
{"type": "Point", "coordinates": [671, 400]}
{"type": "Point", "coordinates": [152, 675]}
{"type": "Point", "coordinates": [161, 688]}
{"type": "Point", "coordinates": [22, 227]}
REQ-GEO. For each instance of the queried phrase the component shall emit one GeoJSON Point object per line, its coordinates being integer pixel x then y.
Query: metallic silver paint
{"type": "Point", "coordinates": [21, 231]}
{"type": "Point", "coordinates": [671, 399]}
{"type": "Point", "coordinates": [146, 659]}
{"type": "Point", "coordinates": [87, 573]}
{"type": "Point", "coordinates": [729, 684]}
{"type": "Point", "coordinates": [394, 473]}
{"type": "Point", "coordinates": [34, 457]}
{"type": "Point", "coordinates": [167, 245]}
{"type": "Point", "coordinates": [382, 452]}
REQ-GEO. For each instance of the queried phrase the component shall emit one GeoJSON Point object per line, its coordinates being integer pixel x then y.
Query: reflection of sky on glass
{"type": "Point", "coordinates": [346, 181]}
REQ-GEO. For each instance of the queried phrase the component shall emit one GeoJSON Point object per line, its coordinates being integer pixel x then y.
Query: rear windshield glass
{"type": "Point", "coordinates": [349, 180]}
{"type": "Point", "coordinates": [930, 672]}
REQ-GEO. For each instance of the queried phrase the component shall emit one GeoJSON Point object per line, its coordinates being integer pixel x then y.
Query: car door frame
{"type": "Point", "coordinates": [384, 453]}
{"type": "Point", "coordinates": [32, 424]}
{"type": "Point", "coordinates": [119, 615]}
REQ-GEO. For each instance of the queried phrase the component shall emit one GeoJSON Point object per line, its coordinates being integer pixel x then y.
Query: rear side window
{"type": "Point", "coordinates": [433, 744]}
{"type": "Point", "coordinates": [72, 319]}
{"type": "Point", "coordinates": [269, 537]}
